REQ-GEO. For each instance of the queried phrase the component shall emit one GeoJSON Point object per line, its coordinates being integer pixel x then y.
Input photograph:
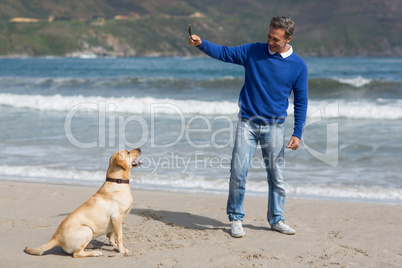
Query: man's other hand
{"type": "Point", "coordinates": [294, 143]}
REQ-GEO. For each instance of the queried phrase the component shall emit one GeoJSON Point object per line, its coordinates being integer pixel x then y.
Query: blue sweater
{"type": "Point", "coordinates": [269, 80]}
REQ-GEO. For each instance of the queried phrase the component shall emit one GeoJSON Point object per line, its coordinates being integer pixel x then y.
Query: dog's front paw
{"type": "Point", "coordinates": [125, 252]}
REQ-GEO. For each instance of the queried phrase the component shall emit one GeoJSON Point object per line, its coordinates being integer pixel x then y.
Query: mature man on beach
{"type": "Point", "coordinates": [272, 72]}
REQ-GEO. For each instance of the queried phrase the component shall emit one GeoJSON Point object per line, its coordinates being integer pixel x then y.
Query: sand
{"type": "Point", "coordinates": [191, 230]}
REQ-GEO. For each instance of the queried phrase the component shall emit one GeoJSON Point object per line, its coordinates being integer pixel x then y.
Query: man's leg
{"type": "Point", "coordinates": [245, 144]}
{"type": "Point", "coordinates": [273, 145]}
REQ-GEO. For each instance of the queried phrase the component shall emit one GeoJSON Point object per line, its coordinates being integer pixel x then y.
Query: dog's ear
{"type": "Point", "coordinates": [121, 161]}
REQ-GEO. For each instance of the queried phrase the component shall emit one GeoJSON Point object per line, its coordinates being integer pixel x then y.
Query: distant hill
{"type": "Point", "coordinates": [159, 28]}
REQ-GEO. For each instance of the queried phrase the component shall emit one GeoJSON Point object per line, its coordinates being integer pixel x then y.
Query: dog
{"type": "Point", "coordinates": [103, 213]}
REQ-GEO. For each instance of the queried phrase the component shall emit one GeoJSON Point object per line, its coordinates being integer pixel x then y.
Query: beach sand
{"type": "Point", "coordinates": [191, 230]}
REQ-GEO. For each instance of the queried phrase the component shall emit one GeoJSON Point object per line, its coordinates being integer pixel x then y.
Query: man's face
{"type": "Point", "coordinates": [276, 40]}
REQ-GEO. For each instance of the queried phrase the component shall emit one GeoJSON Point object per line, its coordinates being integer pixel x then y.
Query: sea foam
{"type": "Point", "coordinates": [355, 81]}
{"type": "Point", "coordinates": [133, 105]}
{"type": "Point", "coordinates": [200, 184]}
{"type": "Point", "coordinates": [353, 109]}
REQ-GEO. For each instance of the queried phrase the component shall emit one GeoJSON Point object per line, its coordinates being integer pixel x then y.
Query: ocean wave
{"type": "Point", "coordinates": [51, 174]}
{"type": "Point", "coordinates": [353, 109]}
{"type": "Point", "coordinates": [385, 109]}
{"type": "Point", "coordinates": [347, 192]}
{"type": "Point", "coordinates": [357, 81]}
{"type": "Point", "coordinates": [189, 183]}
{"type": "Point", "coordinates": [318, 87]}
{"type": "Point", "coordinates": [88, 83]}
{"type": "Point", "coordinates": [132, 105]}
{"type": "Point", "coordinates": [351, 88]}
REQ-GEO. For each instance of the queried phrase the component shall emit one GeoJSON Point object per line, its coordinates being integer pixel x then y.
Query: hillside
{"type": "Point", "coordinates": [159, 28]}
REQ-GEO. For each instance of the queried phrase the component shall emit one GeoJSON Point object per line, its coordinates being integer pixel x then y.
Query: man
{"type": "Point", "coordinates": [272, 71]}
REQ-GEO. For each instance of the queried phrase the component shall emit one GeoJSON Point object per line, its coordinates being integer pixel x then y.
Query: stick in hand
{"type": "Point", "coordinates": [189, 32]}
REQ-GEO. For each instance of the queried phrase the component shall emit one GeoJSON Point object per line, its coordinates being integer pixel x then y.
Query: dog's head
{"type": "Point", "coordinates": [122, 161]}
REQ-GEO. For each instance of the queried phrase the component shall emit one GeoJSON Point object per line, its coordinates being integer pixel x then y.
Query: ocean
{"type": "Point", "coordinates": [62, 119]}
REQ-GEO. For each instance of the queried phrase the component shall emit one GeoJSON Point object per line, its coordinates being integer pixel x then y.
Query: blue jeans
{"type": "Point", "coordinates": [271, 138]}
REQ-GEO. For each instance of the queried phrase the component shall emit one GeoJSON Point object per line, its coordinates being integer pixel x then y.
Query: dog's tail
{"type": "Point", "coordinates": [39, 251]}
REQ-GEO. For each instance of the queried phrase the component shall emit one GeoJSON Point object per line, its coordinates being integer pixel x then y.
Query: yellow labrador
{"type": "Point", "coordinates": [102, 214]}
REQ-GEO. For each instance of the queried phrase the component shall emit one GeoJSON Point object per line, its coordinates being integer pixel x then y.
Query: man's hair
{"type": "Point", "coordinates": [283, 23]}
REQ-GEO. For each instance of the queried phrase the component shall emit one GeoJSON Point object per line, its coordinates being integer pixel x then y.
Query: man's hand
{"type": "Point", "coordinates": [194, 41]}
{"type": "Point", "coordinates": [294, 143]}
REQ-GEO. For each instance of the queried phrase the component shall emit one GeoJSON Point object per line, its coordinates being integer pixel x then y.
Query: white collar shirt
{"type": "Point", "coordinates": [284, 54]}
